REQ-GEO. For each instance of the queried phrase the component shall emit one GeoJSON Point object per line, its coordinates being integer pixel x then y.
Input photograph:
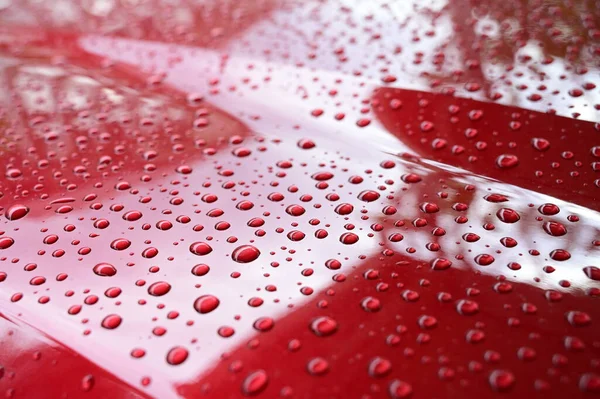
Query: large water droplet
{"type": "Point", "coordinates": [245, 254]}
{"type": "Point", "coordinates": [255, 383]}
{"type": "Point", "coordinates": [324, 326]}
{"type": "Point", "coordinates": [16, 212]}
{"type": "Point", "coordinates": [206, 303]}
{"type": "Point", "coordinates": [105, 270]}
{"type": "Point", "coordinates": [111, 321]}
{"type": "Point", "coordinates": [501, 380]}
{"type": "Point", "coordinates": [177, 355]}
{"type": "Point", "coordinates": [200, 248]}
{"type": "Point", "coordinates": [507, 161]}
{"type": "Point", "coordinates": [159, 288]}
{"type": "Point", "coordinates": [508, 215]}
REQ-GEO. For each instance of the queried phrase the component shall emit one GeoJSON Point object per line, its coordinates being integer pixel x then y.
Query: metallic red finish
{"type": "Point", "coordinates": [310, 199]}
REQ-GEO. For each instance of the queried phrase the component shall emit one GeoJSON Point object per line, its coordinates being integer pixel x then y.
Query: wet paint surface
{"type": "Point", "coordinates": [299, 199]}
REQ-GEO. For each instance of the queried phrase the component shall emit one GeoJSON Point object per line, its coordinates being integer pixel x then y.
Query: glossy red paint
{"type": "Point", "coordinates": [299, 199]}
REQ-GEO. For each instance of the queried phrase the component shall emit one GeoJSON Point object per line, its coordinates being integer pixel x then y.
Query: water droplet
{"type": "Point", "coordinates": [501, 380]}
{"type": "Point", "coordinates": [245, 254]}
{"type": "Point", "coordinates": [13, 173]}
{"type": "Point", "coordinates": [317, 366]}
{"type": "Point", "coordinates": [548, 209]}
{"type": "Point", "coordinates": [264, 324]}
{"type": "Point", "coordinates": [177, 355]}
{"type": "Point", "coordinates": [427, 322]}
{"type": "Point", "coordinates": [467, 308]}
{"type": "Point", "coordinates": [371, 304]}
{"type": "Point", "coordinates": [295, 210]}
{"type": "Point", "coordinates": [132, 216]}
{"type": "Point", "coordinates": [590, 382]}
{"type": "Point", "coordinates": [555, 229]}
{"type": "Point", "coordinates": [348, 238]}
{"type": "Point", "coordinates": [400, 389]}
{"type": "Point", "coordinates": [507, 161]}
{"type": "Point", "coordinates": [111, 321]}
{"type": "Point", "coordinates": [87, 383]}
{"type": "Point", "coordinates": [560, 255]}
{"type": "Point", "coordinates": [592, 272]}
{"type": "Point", "coordinates": [429, 207]}
{"type": "Point", "coordinates": [324, 326]}
{"type": "Point", "coordinates": [344, 209]}
{"type": "Point", "coordinates": [440, 264]}
{"type": "Point", "coordinates": [379, 367]}
{"type": "Point", "coordinates": [206, 304]}
{"type": "Point", "coordinates": [368, 196]}
{"type": "Point", "coordinates": [200, 248]}
{"type": "Point", "coordinates": [296, 235]}
{"type": "Point", "coordinates": [306, 144]}
{"type": "Point", "coordinates": [16, 212]}
{"type": "Point", "coordinates": [484, 259]}
{"type": "Point", "coordinates": [411, 178]}
{"type": "Point", "coordinates": [6, 242]}
{"type": "Point", "coordinates": [159, 288]}
{"type": "Point", "coordinates": [105, 270]}
{"type": "Point", "coordinates": [495, 198]}
{"type": "Point", "coordinates": [164, 225]}
{"type": "Point", "coordinates": [507, 215]}
{"type": "Point", "coordinates": [470, 237]}
{"type": "Point", "coordinates": [540, 144]}
{"type": "Point", "coordinates": [200, 270]}
{"type": "Point", "coordinates": [578, 319]}
{"type": "Point", "coordinates": [120, 244]}
{"type": "Point", "coordinates": [255, 383]}
{"type": "Point", "coordinates": [149, 253]}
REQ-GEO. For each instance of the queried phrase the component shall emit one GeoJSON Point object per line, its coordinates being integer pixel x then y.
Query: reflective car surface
{"type": "Point", "coordinates": [299, 199]}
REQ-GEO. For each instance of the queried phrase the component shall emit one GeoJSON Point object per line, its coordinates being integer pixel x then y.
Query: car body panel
{"type": "Point", "coordinates": [313, 199]}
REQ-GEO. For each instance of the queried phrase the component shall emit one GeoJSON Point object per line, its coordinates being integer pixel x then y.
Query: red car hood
{"type": "Point", "coordinates": [312, 199]}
